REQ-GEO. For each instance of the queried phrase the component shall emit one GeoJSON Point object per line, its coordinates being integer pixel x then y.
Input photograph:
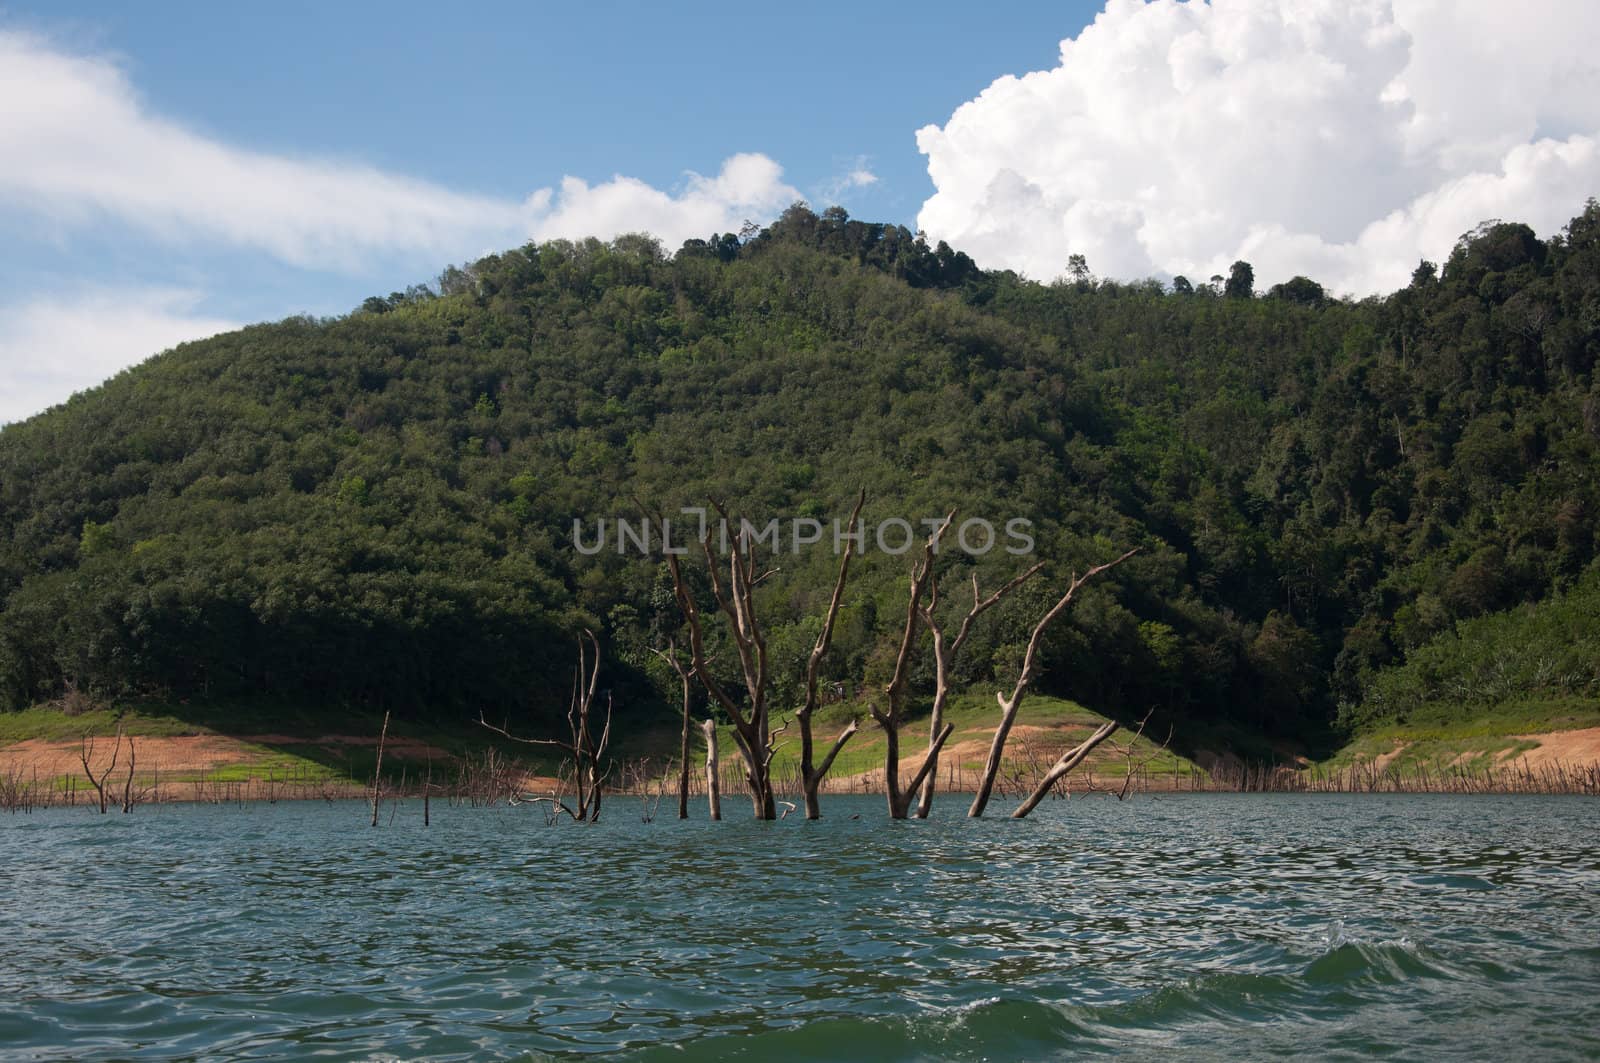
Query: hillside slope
{"type": "Point", "coordinates": [377, 510]}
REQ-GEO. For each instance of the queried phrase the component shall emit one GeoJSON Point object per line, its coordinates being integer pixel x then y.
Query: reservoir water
{"type": "Point", "coordinates": [1183, 926]}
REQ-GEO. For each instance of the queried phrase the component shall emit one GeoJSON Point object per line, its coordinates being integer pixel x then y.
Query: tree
{"type": "Point", "coordinates": [946, 651]}
{"type": "Point", "coordinates": [584, 747]}
{"type": "Point", "coordinates": [685, 679]}
{"type": "Point", "coordinates": [1241, 281]}
{"type": "Point", "coordinates": [1300, 290]}
{"type": "Point", "coordinates": [752, 730]}
{"type": "Point", "coordinates": [811, 775]}
{"type": "Point", "coordinates": [1010, 705]}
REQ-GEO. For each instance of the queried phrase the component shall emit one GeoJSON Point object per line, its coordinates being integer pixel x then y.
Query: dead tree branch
{"type": "Point", "coordinates": [585, 749]}
{"type": "Point", "coordinates": [811, 775]}
{"type": "Point", "coordinates": [945, 653]}
{"type": "Point", "coordinates": [1030, 664]}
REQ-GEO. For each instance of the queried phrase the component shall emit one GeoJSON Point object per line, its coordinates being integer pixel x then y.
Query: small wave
{"type": "Point", "coordinates": [1347, 961]}
{"type": "Point", "coordinates": [992, 1028]}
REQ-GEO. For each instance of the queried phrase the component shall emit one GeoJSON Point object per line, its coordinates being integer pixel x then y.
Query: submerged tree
{"type": "Point", "coordinates": [811, 775]}
{"type": "Point", "coordinates": [752, 729]}
{"type": "Point", "coordinates": [685, 682]}
{"type": "Point", "coordinates": [584, 747]}
{"type": "Point", "coordinates": [920, 613]}
{"type": "Point", "coordinates": [1010, 705]}
{"type": "Point", "coordinates": [945, 652]}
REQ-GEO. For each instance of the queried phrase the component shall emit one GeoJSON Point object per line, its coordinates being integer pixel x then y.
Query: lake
{"type": "Point", "coordinates": [1188, 925]}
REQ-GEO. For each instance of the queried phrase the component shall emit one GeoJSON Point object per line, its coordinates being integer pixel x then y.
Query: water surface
{"type": "Point", "coordinates": [1215, 926]}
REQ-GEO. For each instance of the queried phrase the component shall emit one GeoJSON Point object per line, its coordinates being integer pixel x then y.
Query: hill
{"type": "Point", "coordinates": [377, 510]}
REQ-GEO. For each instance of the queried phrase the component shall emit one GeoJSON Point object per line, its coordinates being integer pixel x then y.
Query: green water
{"type": "Point", "coordinates": [1185, 926]}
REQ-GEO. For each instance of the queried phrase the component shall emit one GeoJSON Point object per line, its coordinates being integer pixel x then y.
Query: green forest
{"type": "Point", "coordinates": [1347, 511]}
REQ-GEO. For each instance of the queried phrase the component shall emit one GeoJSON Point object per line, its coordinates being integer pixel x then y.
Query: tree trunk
{"type": "Point", "coordinates": [683, 758]}
{"type": "Point", "coordinates": [935, 725]}
{"type": "Point", "coordinates": [997, 748]}
{"type": "Point", "coordinates": [811, 781]}
{"type": "Point", "coordinates": [891, 769]}
{"type": "Point", "coordinates": [377, 770]}
{"type": "Point", "coordinates": [1069, 760]}
{"type": "Point", "coordinates": [1030, 664]}
{"type": "Point", "coordinates": [713, 783]}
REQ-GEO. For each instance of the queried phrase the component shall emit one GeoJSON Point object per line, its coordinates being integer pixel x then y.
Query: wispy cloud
{"type": "Point", "coordinates": [79, 146]}
{"type": "Point", "coordinates": [79, 149]}
{"type": "Point", "coordinates": [856, 174]}
{"type": "Point", "coordinates": [53, 347]}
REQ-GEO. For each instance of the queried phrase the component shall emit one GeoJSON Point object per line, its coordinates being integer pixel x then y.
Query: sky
{"type": "Point", "coordinates": [171, 170]}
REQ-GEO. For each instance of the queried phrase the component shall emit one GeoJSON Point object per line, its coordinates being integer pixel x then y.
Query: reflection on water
{"type": "Point", "coordinates": [1211, 925]}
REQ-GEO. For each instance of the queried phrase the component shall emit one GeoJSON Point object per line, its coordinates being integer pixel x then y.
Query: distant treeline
{"type": "Point", "coordinates": [377, 509]}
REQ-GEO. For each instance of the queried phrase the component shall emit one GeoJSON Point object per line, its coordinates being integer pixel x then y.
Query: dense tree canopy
{"type": "Point", "coordinates": [378, 508]}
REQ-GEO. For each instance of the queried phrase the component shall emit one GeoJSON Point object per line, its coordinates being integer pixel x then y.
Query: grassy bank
{"type": "Point", "coordinates": [1474, 735]}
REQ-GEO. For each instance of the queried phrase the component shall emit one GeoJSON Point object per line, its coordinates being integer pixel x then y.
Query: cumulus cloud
{"type": "Point", "coordinates": [1343, 139]}
{"type": "Point", "coordinates": [749, 187]}
{"type": "Point", "coordinates": [54, 347]}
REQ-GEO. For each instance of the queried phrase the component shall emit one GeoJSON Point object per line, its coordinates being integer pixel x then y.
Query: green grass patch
{"type": "Point", "coordinates": [974, 716]}
{"type": "Point", "coordinates": [1475, 736]}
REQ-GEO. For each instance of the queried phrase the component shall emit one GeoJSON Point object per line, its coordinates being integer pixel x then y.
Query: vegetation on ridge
{"type": "Point", "coordinates": [377, 510]}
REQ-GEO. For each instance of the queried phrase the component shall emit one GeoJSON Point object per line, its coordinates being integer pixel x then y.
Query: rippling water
{"type": "Point", "coordinates": [1221, 926]}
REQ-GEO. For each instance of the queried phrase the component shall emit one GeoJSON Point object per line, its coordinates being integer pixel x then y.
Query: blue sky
{"type": "Point", "coordinates": [171, 169]}
{"type": "Point", "coordinates": [506, 98]}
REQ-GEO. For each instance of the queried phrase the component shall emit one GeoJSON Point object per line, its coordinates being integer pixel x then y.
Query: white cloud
{"type": "Point", "coordinates": [857, 175]}
{"type": "Point", "coordinates": [749, 187]}
{"type": "Point", "coordinates": [1343, 139]}
{"type": "Point", "coordinates": [51, 348]}
{"type": "Point", "coordinates": [79, 146]}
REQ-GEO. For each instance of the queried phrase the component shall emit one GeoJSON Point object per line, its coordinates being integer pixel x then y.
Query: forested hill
{"type": "Point", "coordinates": [378, 509]}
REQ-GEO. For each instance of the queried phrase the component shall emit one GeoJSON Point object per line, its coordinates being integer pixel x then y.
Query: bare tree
{"type": "Point", "coordinates": [377, 770]}
{"type": "Point", "coordinates": [128, 796]}
{"type": "Point", "coordinates": [1030, 664]}
{"type": "Point", "coordinates": [1068, 760]}
{"type": "Point", "coordinates": [811, 775]}
{"type": "Point", "coordinates": [945, 652]}
{"type": "Point", "coordinates": [685, 677]}
{"type": "Point", "coordinates": [86, 751]}
{"type": "Point", "coordinates": [922, 610]}
{"type": "Point", "coordinates": [752, 731]}
{"type": "Point", "coordinates": [890, 717]}
{"type": "Point", "coordinates": [585, 748]}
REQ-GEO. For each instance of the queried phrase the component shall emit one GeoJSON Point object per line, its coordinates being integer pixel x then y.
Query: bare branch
{"type": "Point", "coordinates": [1009, 706]}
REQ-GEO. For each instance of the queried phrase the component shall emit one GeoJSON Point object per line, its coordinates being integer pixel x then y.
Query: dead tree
{"type": "Point", "coordinates": [585, 749]}
{"type": "Point", "coordinates": [685, 676]}
{"type": "Point", "coordinates": [377, 771]}
{"type": "Point", "coordinates": [713, 783]}
{"type": "Point", "coordinates": [945, 652]}
{"type": "Point", "coordinates": [1068, 760]}
{"type": "Point", "coordinates": [85, 752]}
{"type": "Point", "coordinates": [1030, 664]}
{"type": "Point", "coordinates": [128, 796]}
{"type": "Point", "coordinates": [890, 717]}
{"type": "Point", "coordinates": [752, 731]}
{"type": "Point", "coordinates": [922, 611]}
{"type": "Point", "coordinates": [811, 775]}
